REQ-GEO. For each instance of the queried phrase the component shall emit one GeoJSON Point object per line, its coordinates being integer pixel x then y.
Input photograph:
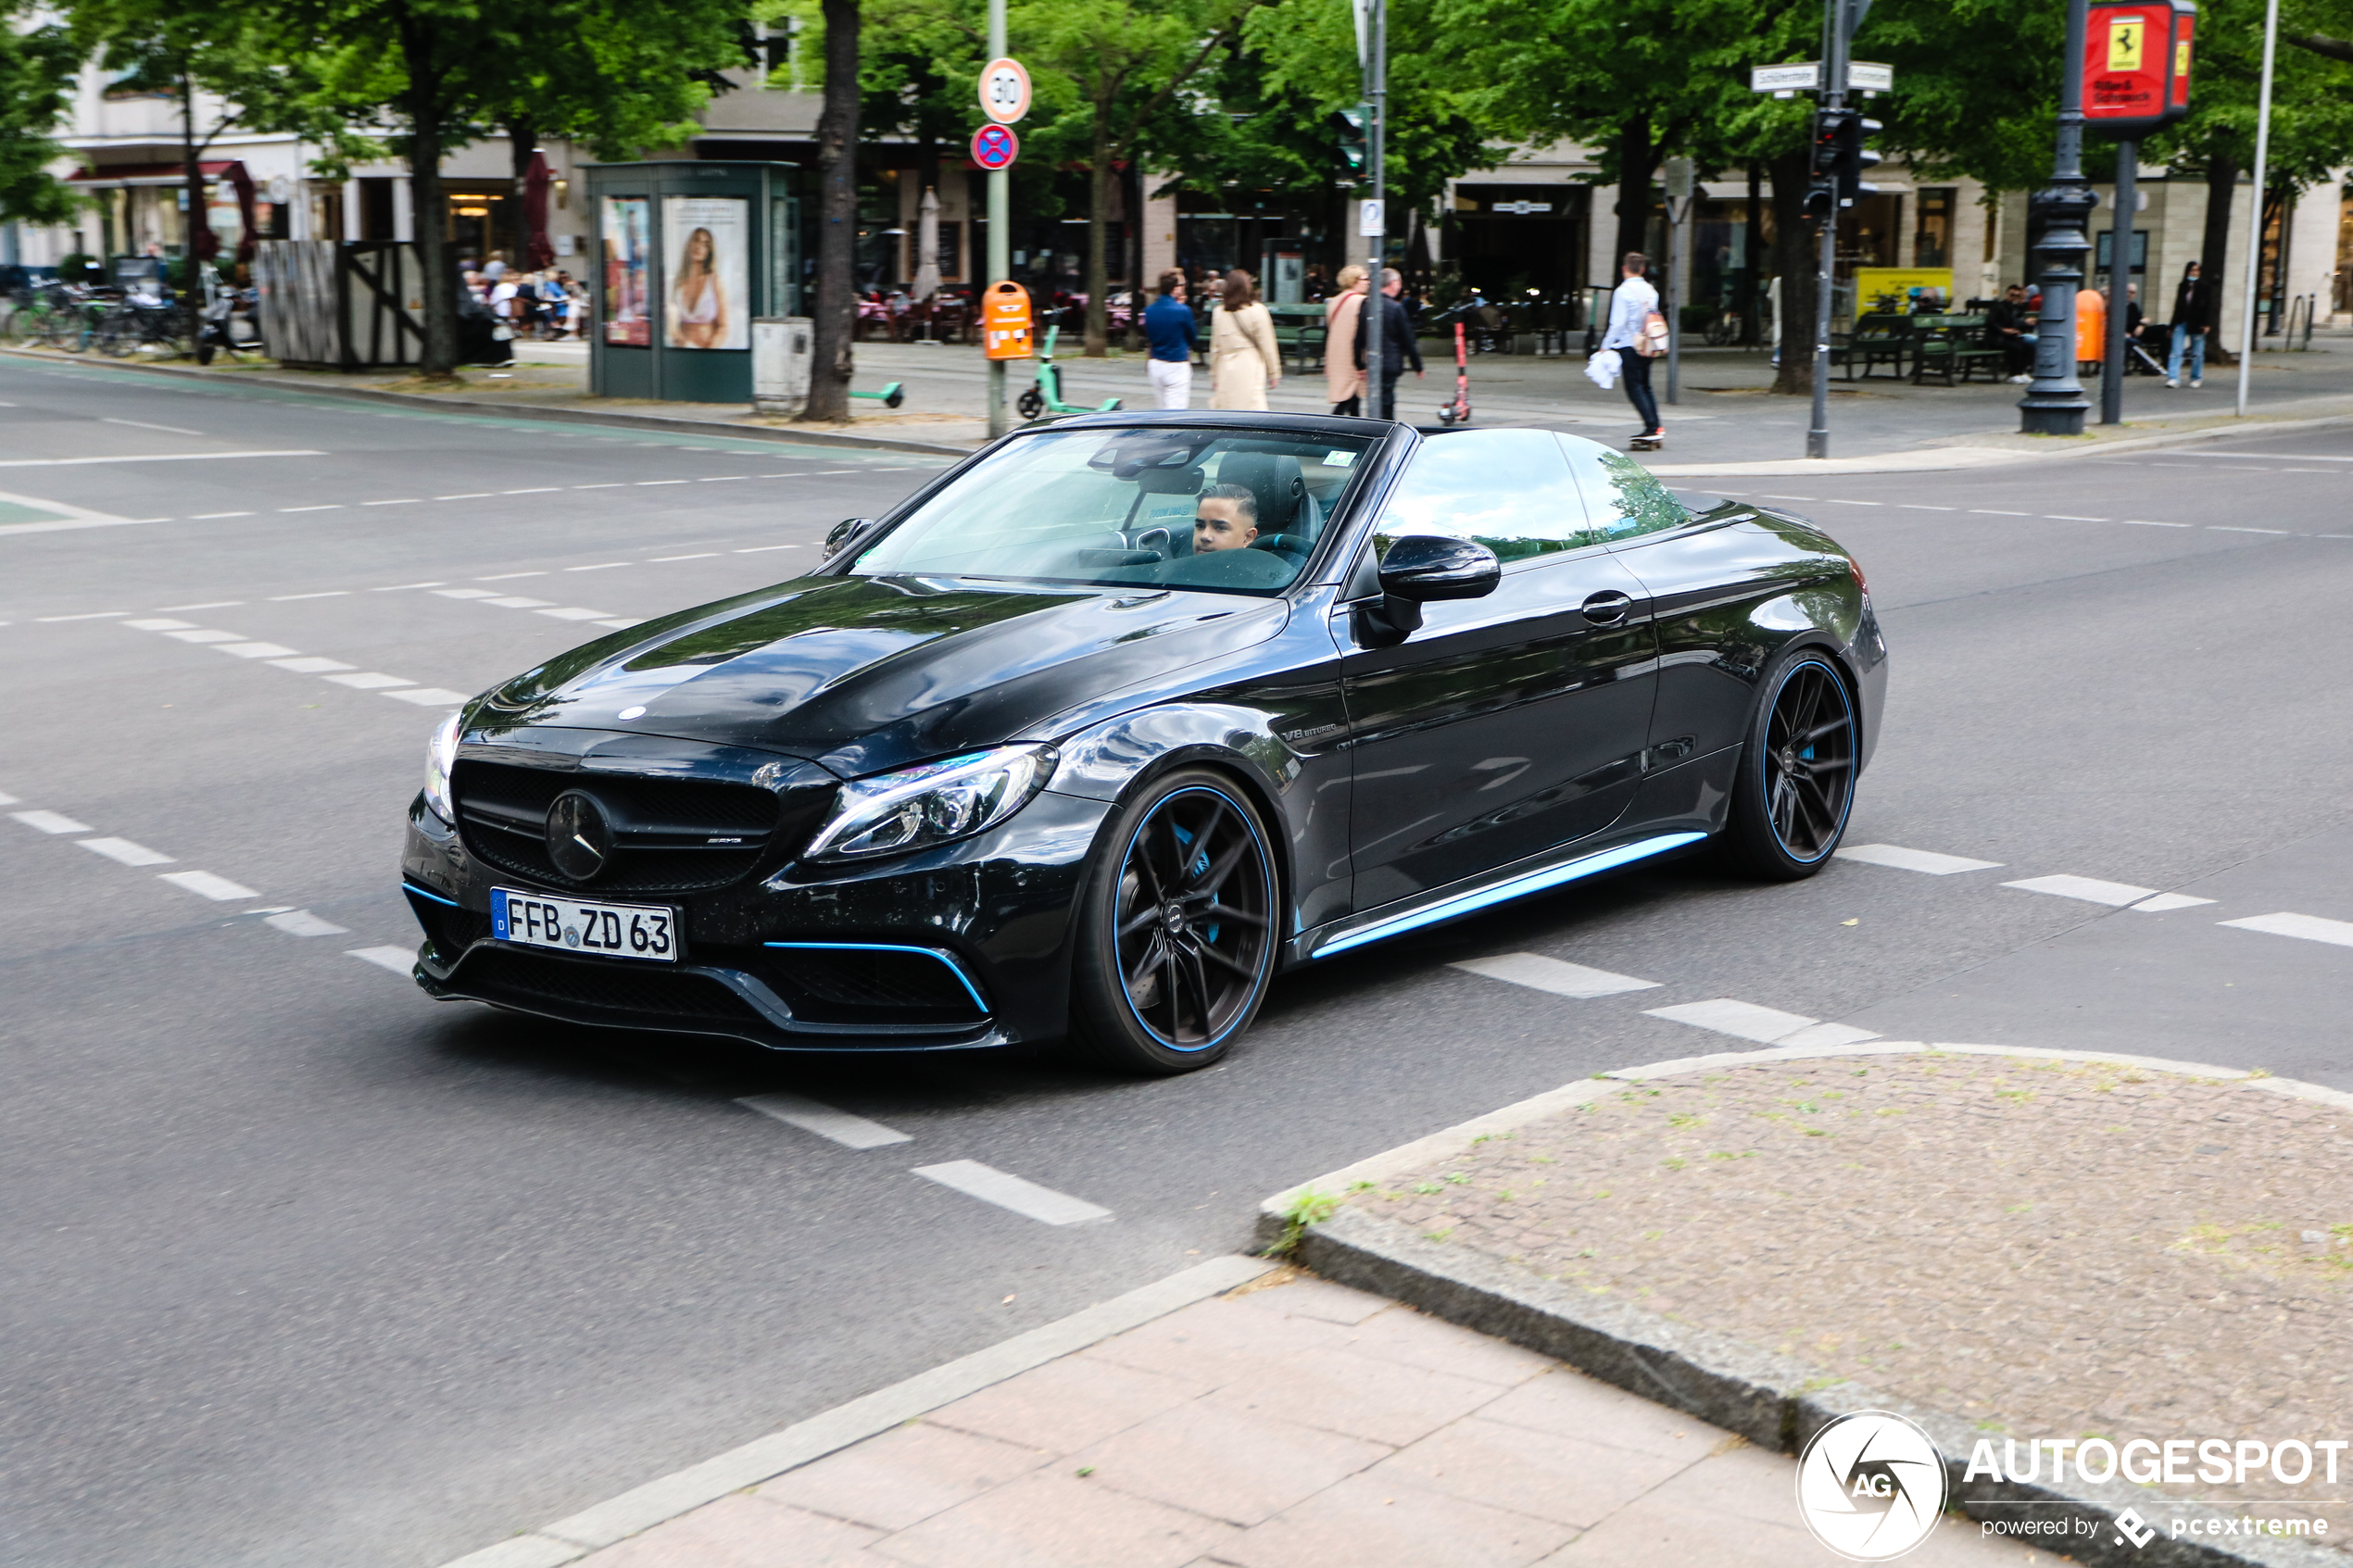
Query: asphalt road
{"type": "Point", "coordinates": [306, 1269]}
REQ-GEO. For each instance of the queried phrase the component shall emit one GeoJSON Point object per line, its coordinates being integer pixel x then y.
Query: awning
{"type": "Point", "coordinates": [148, 173]}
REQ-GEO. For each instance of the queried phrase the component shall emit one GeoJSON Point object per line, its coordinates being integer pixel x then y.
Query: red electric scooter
{"type": "Point", "coordinates": [1458, 411]}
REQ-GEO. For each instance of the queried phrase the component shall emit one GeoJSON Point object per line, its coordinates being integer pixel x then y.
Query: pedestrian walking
{"type": "Point", "coordinates": [1245, 362]}
{"type": "Point", "coordinates": [1168, 326]}
{"type": "Point", "coordinates": [2192, 320]}
{"type": "Point", "coordinates": [1632, 307]}
{"type": "Point", "coordinates": [1398, 347]}
{"type": "Point", "coordinates": [1343, 370]}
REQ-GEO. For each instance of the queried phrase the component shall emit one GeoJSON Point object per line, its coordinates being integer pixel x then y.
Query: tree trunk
{"type": "Point", "coordinates": [199, 219]}
{"type": "Point", "coordinates": [1753, 258]}
{"type": "Point", "coordinates": [1797, 261]}
{"type": "Point", "coordinates": [1137, 283]}
{"type": "Point", "coordinates": [522, 142]}
{"type": "Point", "coordinates": [2214, 249]}
{"type": "Point", "coordinates": [1637, 157]}
{"type": "Point", "coordinates": [1099, 178]}
{"type": "Point", "coordinates": [835, 317]}
{"type": "Point", "coordinates": [422, 104]}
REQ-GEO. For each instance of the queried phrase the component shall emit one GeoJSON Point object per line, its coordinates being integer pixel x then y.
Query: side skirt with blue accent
{"type": "Point", "coordinates": [1453, 906]}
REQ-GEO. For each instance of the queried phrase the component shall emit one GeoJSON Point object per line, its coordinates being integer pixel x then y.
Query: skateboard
{"type": "Point", "coordinates": [1646, 443]}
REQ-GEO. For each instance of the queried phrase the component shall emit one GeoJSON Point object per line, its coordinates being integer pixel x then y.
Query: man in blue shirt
{"type": "Point", "coordinates": [1168, 322]}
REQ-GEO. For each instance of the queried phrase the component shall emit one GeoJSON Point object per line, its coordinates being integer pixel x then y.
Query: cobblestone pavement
{"type": "Point", "coordinates": [1291, 1425]}
{"type": "Point", "coordinates": [2054, 1248]}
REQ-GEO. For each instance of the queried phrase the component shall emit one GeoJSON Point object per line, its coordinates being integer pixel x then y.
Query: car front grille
{"type": "Point", "coordinates": [670, 835]}
{"type": "Point", "coordinates": [606, 991]}
{"type": "Point", "coordinates": [850, 983]}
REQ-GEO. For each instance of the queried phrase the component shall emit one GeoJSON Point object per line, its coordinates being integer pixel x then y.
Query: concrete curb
{"type": "Point", "coordinates": [521, 411]}
{"type": "Point", "coordinates": [763, 1458]}
{"type": "Point", "coordinates": [1931, 459]}
{"type": "Point", "coordinates": [1771, 1400]}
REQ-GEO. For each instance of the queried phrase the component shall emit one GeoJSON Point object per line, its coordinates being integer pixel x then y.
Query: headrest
{"type": "Point", "coordinates": [1273, 477]}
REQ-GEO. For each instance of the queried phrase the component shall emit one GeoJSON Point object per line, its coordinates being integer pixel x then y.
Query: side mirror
{"type": "Point", "coordinates": [1419, 570]}
{"type": "Point", "coordinates": [844, 531]}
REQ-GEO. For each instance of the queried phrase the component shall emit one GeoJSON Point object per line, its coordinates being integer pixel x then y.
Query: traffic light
{"type": "Point", "coordinates": [1853, 158]}
{"type": "Point", "coordinates": [1351, 124]}
{"type": "Point", "coordinates": [1821, 196]}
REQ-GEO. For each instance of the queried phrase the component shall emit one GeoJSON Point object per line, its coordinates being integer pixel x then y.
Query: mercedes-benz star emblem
{"type": "Point", "coordinates": [579, 839]}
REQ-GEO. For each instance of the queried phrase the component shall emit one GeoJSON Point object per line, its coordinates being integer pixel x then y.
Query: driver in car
{"type": "Point", "coordinates": [1226, 519]}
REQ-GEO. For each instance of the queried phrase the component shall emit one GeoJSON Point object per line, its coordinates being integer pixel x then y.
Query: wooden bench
{"type": "Point", "coordinates": [1945, 347]}
{"type": "Point", "coordinates": [1878, 340]}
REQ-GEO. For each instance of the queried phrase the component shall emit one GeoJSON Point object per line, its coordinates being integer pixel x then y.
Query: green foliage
{"type": "Point", "coordinates": [37, 66]}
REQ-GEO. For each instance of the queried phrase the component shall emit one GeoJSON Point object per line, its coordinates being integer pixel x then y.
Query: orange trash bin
{"type": "Point", "coordinates": [1004, 321]}
{"type": "Point", "coordinates": [2091, 326]}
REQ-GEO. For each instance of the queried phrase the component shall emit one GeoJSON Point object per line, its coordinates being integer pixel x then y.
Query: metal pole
{"type": "Point", "coordinates": [1674, 315]}
{"type": "Point", "coordinates": [1372, 321]}
{"type": "Point", "coordinates": [2055, 404]}
{"type": "Point", "coordinates": [1818, 435]}
{"type": "Point", "coordinates": [2119, 280]}
{"type": "Point", "coordinates": [2255, 200]}
{"type": "Point", "coordinates": [1001, 239]}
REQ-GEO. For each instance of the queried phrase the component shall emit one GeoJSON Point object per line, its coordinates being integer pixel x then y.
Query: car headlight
{"type": "Point", "coordinates": [917, 807]}
{"type": "Point", "coordinates": [441, 754]}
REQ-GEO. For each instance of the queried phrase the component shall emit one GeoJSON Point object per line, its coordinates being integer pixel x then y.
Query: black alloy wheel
{"type": "Point", "coordinates": [1797, 776]}
{"type": "Point", "coordinates": [1178, 934]}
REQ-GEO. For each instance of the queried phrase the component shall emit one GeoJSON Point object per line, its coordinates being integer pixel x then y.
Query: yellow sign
{"type": "Point", "coordinates": [1875, 284]}
{"type": "Point", "coordinates": [2124, 43]}
{"type": "Point", "coordinates": [2182, 61]}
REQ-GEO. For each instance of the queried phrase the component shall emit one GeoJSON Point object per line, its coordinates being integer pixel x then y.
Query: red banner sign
{"type": "Point", "coordinates": [2136, 66]}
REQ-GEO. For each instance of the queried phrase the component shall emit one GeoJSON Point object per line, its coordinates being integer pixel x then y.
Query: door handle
{"type": "Point", "coordinates": [1607, 608]}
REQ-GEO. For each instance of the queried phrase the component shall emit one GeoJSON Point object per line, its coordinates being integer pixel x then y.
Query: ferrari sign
{"type": "Point", "coordinates": [2136, 66]}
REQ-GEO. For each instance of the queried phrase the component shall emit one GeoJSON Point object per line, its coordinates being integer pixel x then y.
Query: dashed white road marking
{"type": "Point", "coordinates": [255, 650]}
{"type": "Point", "coordinates": [402, 962]}
{"type": "Point", "coordinates": [810, 1116]}
{"type": "Point", "coordinates": [2165, 901]}
{"type": "Point", "coordinates": [601, 566]}
{"type": "Point", "coordinates": [516, 601]}
{"type": "Point", "coordinates": [429, 696]}
{"type": "Point", "coordinates": [1905, 859]}
{"type": "Point", "coordinates": [325, 594]}
{"type": "Point", "coordinates": [144, 457]}
{"type": "Point", "coordinates": [210, 517]}
{"type": "Point", "coordinates": [2092, 890]}
{"type": "Point", "coordinates": [302, 922]}
{"type": "Point", "coordinates": [86, 615]}
{"type": "Point", "coordinates": [1916, 507]}
{"type": "Point", "coordinates": [2144, 522]}
{"type": "Point", "coordinates": [402, 587]}
{"type": "Point", "coordinates": [6, 798]}
{"type": "Point", "coordinates": [209, 604]}
{"type": "Point", "coordinates": [509, 576]}
{"type": "Point", "coordinates": [205, 634]}
{"type": "Point", "coordinates": [161, 624]}
{"type": "Point", "coordinates": [370, 681]}
{"type": "Point", "coordinates": [1535, 970]}
{"type": "Point", "coordinates": [328, 506]}
{"type": "Point", "coordinates": [2309, 928]}
{"type": "Point", "coordinates": [1993, 511]}
{"type": "Point", "coordinates": [466, 495]}
{"type": "Point", "coordinates": [615, 484]}
{"type": "Point", "coordinates": [403, 501]}
{"type": "Point", "coordinates": [2063, 517]}
{"type": "Point", "coordinates": [50, 822]}
{"type": "Point", "coordinates": [1008, 1191]}
{"type": "Point", "coordinates": [1769, 1026]}
{"type": "Point", "coordinates": [533, 490]}
{"type": "Point", "coordinates": [310, 665]}
{"type": "Point", "coordinates": [206, 885]}
{"type": "Point", "coordinates": [621, 623]}
{"type": "Point", "coordinates": [123, 850]}
{"type": "Point", "coordinates": [2227, 528]}
{"type": "Point", "coordinates": [645, 483]}
{"type": "Point", "coordinates": [699, 555]}
{"type": "Point", "coordinates": [573, 612]}
{"type": "Point", "coordinates": [763, 549]}
{"type": "Point", "coordinates": [464, 592]}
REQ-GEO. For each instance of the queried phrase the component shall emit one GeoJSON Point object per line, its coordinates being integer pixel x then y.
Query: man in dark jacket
{"type": "Point", "coordinates": [2005, 329]}
{"type": "Point", "coordinates": [2192, 320]}
{"type": "Point", "coordinates": [1398, 348]}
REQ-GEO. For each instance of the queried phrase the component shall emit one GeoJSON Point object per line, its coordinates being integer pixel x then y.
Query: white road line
{"type": "Point", "coordinates": [310, 665]}
{"type": "Point", "coordinates": [329, 593]}
{"type": "Point", "coordinates": [430, 697]}
{"type": "Point", "coordinates": [850, 1132]}
{"type": "Point", "coordinates": [206, 885]}
{"type": "Point", "coordinates": [400, 960]}
{"type": "Point", "coordinates": [466, 495]}
{"type": "Point", "coordinates": [2227, 528]}
{"type": "Point", "coordinates": [614, 484]}
{"type": "Point", "coordinates": [618, 624]}
{"type": "Point", "coordinates": [1770, 496]}
{"type": "Point", "coordinates": [1916, 507]}
{"type": "Point", "coordinates": [403, 501]}
{"type": "Point", "coordinates": [2310, 928]}
{"type": "Point", "coordinates": [2062, 517]}
{"type": "Point", "coordinates": [122, 849]}
{"type": "Point", "coordinates": [2144, 522]}
{"type": "Point", "coordinates": [601, 566]}
{"type": "Point", "coordinates": [161, 625]}
{"type": "Point", "coordinates": [2092, 890]}
{"type": "Point", "coordinates": [144, 457]}
{"type": "Point", "coordinates": [402, 587]}
{"type": "Point", "coordinates": [2281, 457]}
{"type": "Point", "coordinates": [1992, 511]}
{"type": "Point", "coordinates": [50, 822]}
{"type": "Point", "coordinates": [1905, 859]}
{"type": "Point", "coordinates": [723, 478]}
{"type": "Point", "coordinates": [1839, 501]}
{"type": "Point", "coordinates": [6, 798]}
{"type": "Point", "coordinates": [1746, 1020]}
{"type": "Point", "coordinates": [516, 601]}
{"type": "Point", "coordinates": [370, 680]}
{"type": "Point", "coordinates": [208, 604]}
{"type": "Point", "coordinates": [302, 922]}
{"type": "Point", "coordinates": [205, 634]}
{"type": "Point", "coordinates": [2165, 901]}
{"type": "Point", "coordinates": [142, 424]}
{"type": "Point", "coordinates": [88, 615]}
{"type": "Point", "coordinates": [700, 555]}
{"type": "Point", "coordinates": [1535, 970]}
{"type": "Point", "coordinates": [573, 612]}
{"type": "Point", "coordinates": [464, 592]}
{"type": "Point", "coordinates": [763, 549]}
{"type": "Point", "coordinates": [331, 507]}
{"type": "Point", "coordinates": [255, 650]}
{"type": "Point", "coordinates": [1008, 1191]}
{"type": "Point", "coordinates": [210, 516]}
{"type": "Point", "coordinates": [510, 576]}
{"type": "Point", "coordinates": [533, 490]}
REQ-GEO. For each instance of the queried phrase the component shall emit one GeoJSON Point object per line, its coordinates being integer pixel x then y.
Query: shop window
{"type": "Point", "coordinates": [1932, 233]}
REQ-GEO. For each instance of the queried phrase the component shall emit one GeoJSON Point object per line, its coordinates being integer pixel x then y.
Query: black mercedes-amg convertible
{"type": "Point", "coordinates": [1105, 727]}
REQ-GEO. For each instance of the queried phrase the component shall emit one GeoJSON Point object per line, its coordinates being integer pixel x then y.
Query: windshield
{"type": "Point", "coordinates": [1228, 511]}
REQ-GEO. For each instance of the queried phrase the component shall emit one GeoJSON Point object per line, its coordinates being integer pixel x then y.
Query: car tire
{"type": "Point", "coordinates": [1796, 787]}
{"type": "Point", "coordinates": [1177, 928]}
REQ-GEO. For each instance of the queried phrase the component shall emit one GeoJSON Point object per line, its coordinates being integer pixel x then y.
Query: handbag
{"type": "Point", "coordinates": [1652, 341]}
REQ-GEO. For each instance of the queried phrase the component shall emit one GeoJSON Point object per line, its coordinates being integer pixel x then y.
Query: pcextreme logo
{"type": "Point", "coordinates": [1870, 1485]}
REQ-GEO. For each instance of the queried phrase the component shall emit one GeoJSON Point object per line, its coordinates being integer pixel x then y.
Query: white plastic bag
{"type": "Point", "coordinates": [1602, 369]}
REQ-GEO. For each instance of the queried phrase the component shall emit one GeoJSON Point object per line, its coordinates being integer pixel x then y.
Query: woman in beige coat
{"type": "Point", "coordinates": [1244, 360]}
{"type": "Point", "coordinates": [1343, 378]}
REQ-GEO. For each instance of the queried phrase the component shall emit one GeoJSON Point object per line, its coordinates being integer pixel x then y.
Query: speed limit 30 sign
{"type": "Point", "coordinates": [1004, 91]}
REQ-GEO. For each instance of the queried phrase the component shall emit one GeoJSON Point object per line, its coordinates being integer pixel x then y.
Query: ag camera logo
{"type": "Point", "coordinates": [1871, 1485]}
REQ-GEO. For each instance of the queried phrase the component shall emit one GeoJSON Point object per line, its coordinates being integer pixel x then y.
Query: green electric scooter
{"type": "Point", "coordinates": [1046, 395]}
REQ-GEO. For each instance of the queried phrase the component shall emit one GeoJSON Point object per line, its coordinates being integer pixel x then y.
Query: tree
{"type": "Point", "coordinates": [37, 68]}
{"type": "Point", "coordinates": [833, 318]}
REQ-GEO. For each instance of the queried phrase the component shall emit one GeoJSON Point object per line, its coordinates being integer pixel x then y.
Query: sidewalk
{"type": "Point", "coordinates": [1292, 1423]}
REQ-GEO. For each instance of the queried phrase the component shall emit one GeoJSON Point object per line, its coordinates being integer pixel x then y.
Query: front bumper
{"type": "Point", "coordinates": [958, 947]}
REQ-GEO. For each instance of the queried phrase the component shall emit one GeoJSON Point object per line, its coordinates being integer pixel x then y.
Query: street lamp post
{"type": "Point", "coordinates": [2055, 404]}
{"type": "Point", "coordinates": [1000, 238]}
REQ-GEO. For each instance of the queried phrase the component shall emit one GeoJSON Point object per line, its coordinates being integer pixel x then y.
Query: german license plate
{"type": "Point", "coordinates": [613, 931]}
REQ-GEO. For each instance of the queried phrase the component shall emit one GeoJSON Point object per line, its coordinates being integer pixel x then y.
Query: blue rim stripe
{"type": "Point", "coordinates": [414, 891]}
{"type": "Point", "coordinates": [1517, 888]}
{"type": "Point", "coordinates": [1133, 1011]}
{"type": "Point", "coordinates": [948, 959]}
{"type": "Point", "coordinates": [1854, 741]}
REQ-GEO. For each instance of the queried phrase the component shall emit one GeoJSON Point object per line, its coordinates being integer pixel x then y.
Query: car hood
{"type": "Point", "coordinates": [866, 673]}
